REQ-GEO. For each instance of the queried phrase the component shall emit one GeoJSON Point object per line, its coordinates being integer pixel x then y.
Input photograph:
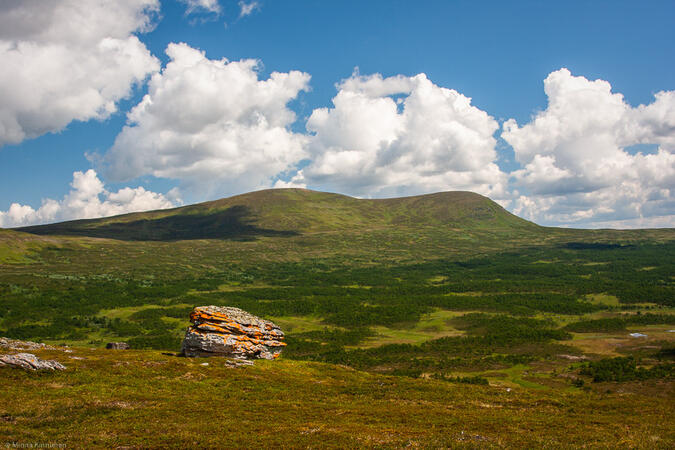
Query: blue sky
{"type": "Point", "coordinates": [498, 54]}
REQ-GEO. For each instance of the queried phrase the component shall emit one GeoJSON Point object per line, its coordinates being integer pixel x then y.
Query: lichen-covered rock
{"type": "Point", "coordinates": [29, 361]}
{"type": "Point", "coordinates": [226, 331]}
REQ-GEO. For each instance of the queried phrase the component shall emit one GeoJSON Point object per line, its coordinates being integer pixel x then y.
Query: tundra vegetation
{"type": "Point", "coordinates": [405, 311]}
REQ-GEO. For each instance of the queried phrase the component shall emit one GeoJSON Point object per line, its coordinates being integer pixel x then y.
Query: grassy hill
{"type": "Point", "coordinates": [17, 247]}
{"type": "Point", "coordinates": [289, 212]}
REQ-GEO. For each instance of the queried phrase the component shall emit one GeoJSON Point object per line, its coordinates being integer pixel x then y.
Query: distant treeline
{"type": "Point", "coordinates": [613, 324]}
{"type": "Point", "coordinates": [625, 369]}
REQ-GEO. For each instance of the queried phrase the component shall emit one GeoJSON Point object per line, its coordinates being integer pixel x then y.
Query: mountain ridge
{"type": "Point", "coordinates": [293, 211]}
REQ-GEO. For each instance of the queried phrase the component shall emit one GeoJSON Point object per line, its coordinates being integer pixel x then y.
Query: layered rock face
{"type": "Point", "coordinates": [226, 331]}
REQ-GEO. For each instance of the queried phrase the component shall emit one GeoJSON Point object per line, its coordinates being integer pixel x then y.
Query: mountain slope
{"type": "Point", "coordinates": [18, 247]}
{"type": "Point", "coordinates": [289, 212]}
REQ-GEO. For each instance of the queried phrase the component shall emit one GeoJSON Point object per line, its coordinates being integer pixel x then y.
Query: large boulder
{"type": "Point", "coordinates": [227, 331]}
{"type": "Point", "coordinates": [29, 361]}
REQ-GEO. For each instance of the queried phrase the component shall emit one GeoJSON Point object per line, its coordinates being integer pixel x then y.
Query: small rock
{"type": "Point", "coordinates": [204, 364]}
{"type": "Point", "coordinates": [637, 335]}
{"type": "Point", "coordinates": [29, 361]}
{"type": "Point", "coordinates": [117, 346]}
{"type": "Point", "coordinates": [573, 357]}
{"type": "Point", "coordinates": [238, 362]}
{"type": "Point", "coordinates": [471, 437]}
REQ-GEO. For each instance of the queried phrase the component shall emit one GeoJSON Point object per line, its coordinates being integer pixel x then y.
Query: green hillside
{"type": "Point", "coordinates": [288, 212]}
{"type": "Point", "coordinates": [17, 247]}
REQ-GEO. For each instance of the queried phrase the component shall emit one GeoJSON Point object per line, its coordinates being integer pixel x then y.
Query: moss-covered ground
{"type": "Point", "coordinates": [141, 399]}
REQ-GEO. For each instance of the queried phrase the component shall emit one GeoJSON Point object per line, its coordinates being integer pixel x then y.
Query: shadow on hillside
{"type": "Point", "coordinates": [593, 246]}
{"type": "Point", "coordinates": [235, 223]}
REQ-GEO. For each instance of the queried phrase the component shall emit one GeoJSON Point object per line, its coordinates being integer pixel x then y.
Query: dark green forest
{"type": "Point", "coordinates": [502, 301]}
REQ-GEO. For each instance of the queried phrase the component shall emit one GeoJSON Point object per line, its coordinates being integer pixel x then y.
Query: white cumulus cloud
{"type": "Point", "coordinates": [401, 135]}
{"type": "Point", "coordinates": [211, 124]}
{"type": "Point", "coordinates": [87, 199]}
{"type": "Point", "coordinates": [201, 6]}
{"type": "Point", "coordinates": [577, 167]}
{"type": "Point", "coordinates": [219, 129]}
{"type": "Point", "coordinates": [68, 60]}
{"type": "Point", "coordinates": [247, 8]}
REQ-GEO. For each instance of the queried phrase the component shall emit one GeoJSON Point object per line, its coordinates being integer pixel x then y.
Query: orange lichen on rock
{"type": "Point", "coordinates": [227, 331]}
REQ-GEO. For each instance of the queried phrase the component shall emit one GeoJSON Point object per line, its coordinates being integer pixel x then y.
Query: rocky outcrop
{"type": "Point", "coordinates": [13, 344]}
{"type": "Point", "coordinates": [117, 346]}
{"type": "Point", "coordinates": [29, 361]}
{"type": "Point", "coordinates": [226, 331]}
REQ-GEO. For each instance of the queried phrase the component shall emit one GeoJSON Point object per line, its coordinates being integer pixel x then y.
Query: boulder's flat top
{"type": "Point", "coordinates": [230, 313]}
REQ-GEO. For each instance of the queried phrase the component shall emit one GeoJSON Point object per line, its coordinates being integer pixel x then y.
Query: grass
{"type": "Point", "coordinates": [146, 399]}
{"type": "Point", "coordinates": [300, 324]}
{"type": "Point", "coordinates": [126, 312]}
{"type": "Point", "coordinates": [431, 326]}
{"type": "Point", "coordinates": [18, 248]}
{"type": "Point", "coordinates": [514, 377]}
{"type": "Point", "coordinates": [603, 299]}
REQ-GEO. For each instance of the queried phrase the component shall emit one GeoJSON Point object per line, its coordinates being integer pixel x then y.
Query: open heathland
{"type": "Point", "coordinates": [428, 321]}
